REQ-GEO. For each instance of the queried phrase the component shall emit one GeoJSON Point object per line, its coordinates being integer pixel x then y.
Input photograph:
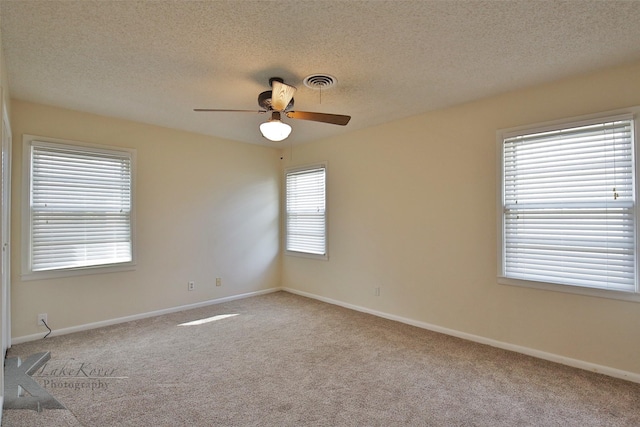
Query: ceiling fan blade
{"type": "Point", "coordinates": [334, 119]}
{"type": "Point", "coordinates": [281, 95]}
{"type": "Point", "coordinates": [230, 111]}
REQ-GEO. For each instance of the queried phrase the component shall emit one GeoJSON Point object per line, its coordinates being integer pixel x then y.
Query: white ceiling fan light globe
{"type": "Point", "coordinates": [275, 130]}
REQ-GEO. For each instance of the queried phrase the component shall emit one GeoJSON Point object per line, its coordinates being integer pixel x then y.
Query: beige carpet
{"type": "Point", "coordinates": [285, 360]}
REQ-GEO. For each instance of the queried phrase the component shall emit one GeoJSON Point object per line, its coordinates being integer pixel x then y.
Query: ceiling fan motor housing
{"type": "Point", "coordinates": [264, 101]}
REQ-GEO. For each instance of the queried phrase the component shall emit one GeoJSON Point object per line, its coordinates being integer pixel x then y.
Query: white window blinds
{"type": "Point", "coordinates": [569, 206]}
{"type": "Point", "coordinates": [305, 210]}
{"type": "Point", "coordinates": [80, 207]}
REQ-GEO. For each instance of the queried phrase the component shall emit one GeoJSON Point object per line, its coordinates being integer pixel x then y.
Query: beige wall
{"type": "Point", "coordinates": [412, 209]}
{"type": "Point", "coordinates": [206, 208]}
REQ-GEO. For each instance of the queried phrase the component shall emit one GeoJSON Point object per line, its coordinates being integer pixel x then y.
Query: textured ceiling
{"type": "Point", "coordinates": [154, 61]}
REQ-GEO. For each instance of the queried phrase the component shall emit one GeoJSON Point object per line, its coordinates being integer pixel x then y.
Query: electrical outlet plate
{"type": "Point", "coordinates": [191, 286]}
{"type": "Point", "coordinates": [218, 281]}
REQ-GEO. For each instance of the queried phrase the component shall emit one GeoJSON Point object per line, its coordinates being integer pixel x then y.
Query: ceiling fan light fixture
{"type": "Point", "coordinates": [274, 129]}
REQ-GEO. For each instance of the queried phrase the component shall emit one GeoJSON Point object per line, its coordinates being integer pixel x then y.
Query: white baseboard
{"type": "Point", "coordinates": [575, 363]}
{"type": "Point", "coordinates": [110, 322]}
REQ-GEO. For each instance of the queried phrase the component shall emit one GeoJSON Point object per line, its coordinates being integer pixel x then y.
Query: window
{"type": "Point", "coordinates": [79, 210]}
{"type": "Point", "coordinates": [306, 221]}
{"type": "Point", "coordinates": [568, 214]}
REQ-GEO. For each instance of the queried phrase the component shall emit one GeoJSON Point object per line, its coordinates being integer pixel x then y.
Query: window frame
{"type": "Point", "coordinates": [301, 254]}
{"type": "Point", "coordinates": [26, 273]}
{"type": "Point", "coordinates": [550, 126]}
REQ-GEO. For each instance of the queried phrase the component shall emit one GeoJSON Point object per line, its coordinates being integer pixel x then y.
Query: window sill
{"type": "Point", "coordinates": [577, 290]}
{"type": "Point", "coordinates": [324, 257]}
{"type": "Point", "coordinates": [56, 274]}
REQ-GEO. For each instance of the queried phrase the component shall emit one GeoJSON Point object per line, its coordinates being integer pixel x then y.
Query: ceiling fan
{"type": "Point", "coordinates": [279, 101]}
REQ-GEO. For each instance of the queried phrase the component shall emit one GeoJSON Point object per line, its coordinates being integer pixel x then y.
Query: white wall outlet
{"type": "Point", "coordinates": [191, 286]}
{"type": "Point", "coordinates": [218, 281]}
{"type": "Point", "coordinates": [376, 291]}
{"type": "Point", "coordinates": [41, 317]}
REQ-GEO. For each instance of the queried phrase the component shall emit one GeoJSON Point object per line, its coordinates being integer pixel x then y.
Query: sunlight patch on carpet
{"type": "Point", "coordinates": [207, 320]}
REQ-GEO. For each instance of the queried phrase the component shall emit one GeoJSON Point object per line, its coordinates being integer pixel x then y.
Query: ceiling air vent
{"type": "Point", "coordinates": [320, 81]}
